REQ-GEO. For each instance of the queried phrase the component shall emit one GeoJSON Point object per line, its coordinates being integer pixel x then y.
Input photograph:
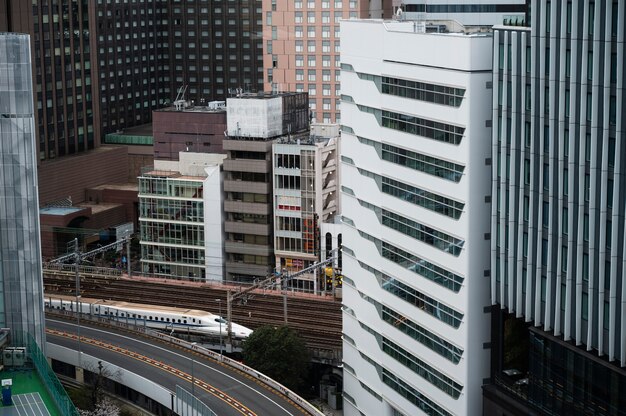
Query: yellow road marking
{"type": "Point", "coordinates": [180, 374]}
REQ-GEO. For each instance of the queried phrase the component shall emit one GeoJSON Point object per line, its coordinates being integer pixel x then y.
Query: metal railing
{"type": "Point", "coordinates": [186, 404]}
{"type": "Point", "coordinates": [49, 379]}
{"type": "Point", "coordinates": [260, 377]}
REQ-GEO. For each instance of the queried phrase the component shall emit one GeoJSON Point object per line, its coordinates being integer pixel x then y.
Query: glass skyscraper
{"type": "Point", "coordinates": [21, 286]}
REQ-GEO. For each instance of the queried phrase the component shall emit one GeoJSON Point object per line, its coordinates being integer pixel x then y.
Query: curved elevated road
{"type": "Point", "coordinates": [225, 390]}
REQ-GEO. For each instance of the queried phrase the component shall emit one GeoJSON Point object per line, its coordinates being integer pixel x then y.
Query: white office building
{"type": "Point", "coordinates": [181, 219]}
{"type": "Point", "coordinates": [415, 197]}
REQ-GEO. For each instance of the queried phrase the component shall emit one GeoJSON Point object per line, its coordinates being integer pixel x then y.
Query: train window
{"type": "Point", "coordinates": [179, 321]}
{"type": "Point", "coordinates": [199, 321]}
{"type": "Point", "coordinates": [194, 320]}
{"type": "Point", "coordinates": [106, 313]}
{"type": "Point", "coordinates": [97, 309]}
{"type": "Point", "coordinates": [185, 321]}
{"type": "Point", "coordinates": [122, 314]}
{"type": "Point", "coordinates": [167, 319]}
{"type": "Point", "coordinates": [150, 317]}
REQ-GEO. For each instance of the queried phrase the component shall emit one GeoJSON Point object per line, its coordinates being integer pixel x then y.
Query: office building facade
{"type": "Point", "coordinates": [255, 122]}
{"type": "Point", "coordinates": [557, 255]}
{"type": "Point", "coordinates": [21, 280]}
{"type": "Point", "coordinates": [180, 217]}
{"type": "Point", "coordinates": [476, 12]}
{"type": "Point", "coordinates": [215, 48]}
{"type": "Point", "coordinates": [131, 61]}
{"type": "Point", "coordinates": [301, 48]}
{"type": "Point", "coordinates": [415, 209]}
{"type": "Point", "coordinates": [65, 100]}
{"type": "Point", "coordinates": [305, 196]}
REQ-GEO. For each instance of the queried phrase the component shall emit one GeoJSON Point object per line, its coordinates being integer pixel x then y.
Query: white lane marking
{"type": "Point", "coordinates": [184, 357]}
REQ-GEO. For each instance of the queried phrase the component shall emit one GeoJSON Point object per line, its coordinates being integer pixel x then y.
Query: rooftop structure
{"type": "Point", "coordinates": [470, 13]}
{"type": "Point", "coordinates": [183, 127]}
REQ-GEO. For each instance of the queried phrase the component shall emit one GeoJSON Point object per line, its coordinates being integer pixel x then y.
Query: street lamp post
{"type": "Point", "coordinates": [193, 377]}
{"type": "Point", "coordinates": [219, 302]}
{"type": "Point", "coordinates": [77, 266]}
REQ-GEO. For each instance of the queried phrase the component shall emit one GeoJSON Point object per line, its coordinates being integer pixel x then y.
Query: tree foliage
{"type": "Point", "coordinates": [105, 407]}
{"type": "Point", "coordinates": [279, 353]}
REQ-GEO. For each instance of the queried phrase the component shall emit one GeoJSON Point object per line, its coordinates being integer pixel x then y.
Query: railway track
{"type": "Point", "coordinates": [317, 319]}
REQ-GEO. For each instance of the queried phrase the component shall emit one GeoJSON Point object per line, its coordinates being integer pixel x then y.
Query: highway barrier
{"type": "Point", "coordinates": [192, 346]}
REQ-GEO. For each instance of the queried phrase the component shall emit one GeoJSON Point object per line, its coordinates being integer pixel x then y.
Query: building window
{"type": "Point", "coordinates": [442, 132]}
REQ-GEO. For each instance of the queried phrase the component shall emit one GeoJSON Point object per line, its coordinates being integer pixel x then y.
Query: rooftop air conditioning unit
{"type": "Point", "coordinates": [19, 356]}
{"type": "Point", "coordinates": [7, 357]}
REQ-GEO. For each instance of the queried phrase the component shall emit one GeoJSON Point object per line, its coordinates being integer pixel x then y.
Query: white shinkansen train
{"type": "Point", "coordinates": [188, 321]}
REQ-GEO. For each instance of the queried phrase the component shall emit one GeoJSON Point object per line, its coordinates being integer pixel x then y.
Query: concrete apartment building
{"type": "Point", "coordinates": [301, 48]}
{"type": "Point", "coordinates": [305, 196]}
{"type": "Point", "coordinates": [255, 122]}
{"type": "Point", "coordinates": [415, 200]}
{"type": "Point", "coordinates": [558, 232]}
{"type": "Point", "coordinates": [181, 227]}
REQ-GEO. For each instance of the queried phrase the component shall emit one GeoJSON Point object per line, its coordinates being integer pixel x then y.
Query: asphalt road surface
{"type": "Point", "coordinates": [240, 394]}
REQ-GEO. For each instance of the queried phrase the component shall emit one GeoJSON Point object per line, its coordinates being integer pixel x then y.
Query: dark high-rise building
{"type": "Point", "coordinates": [132, 52]}
{"type": "Point", "coordinates": [558, 274]}
{"type": "Point", "coordinates": [102, 66]}
{"type": "Point", "coordinates": [62, 73]}
{"type": "Point", "coordinates": [215, 47]}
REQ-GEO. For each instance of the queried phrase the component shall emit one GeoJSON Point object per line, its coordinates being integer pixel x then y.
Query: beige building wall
{"type": "Point", "coordinates": [301, 48]}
